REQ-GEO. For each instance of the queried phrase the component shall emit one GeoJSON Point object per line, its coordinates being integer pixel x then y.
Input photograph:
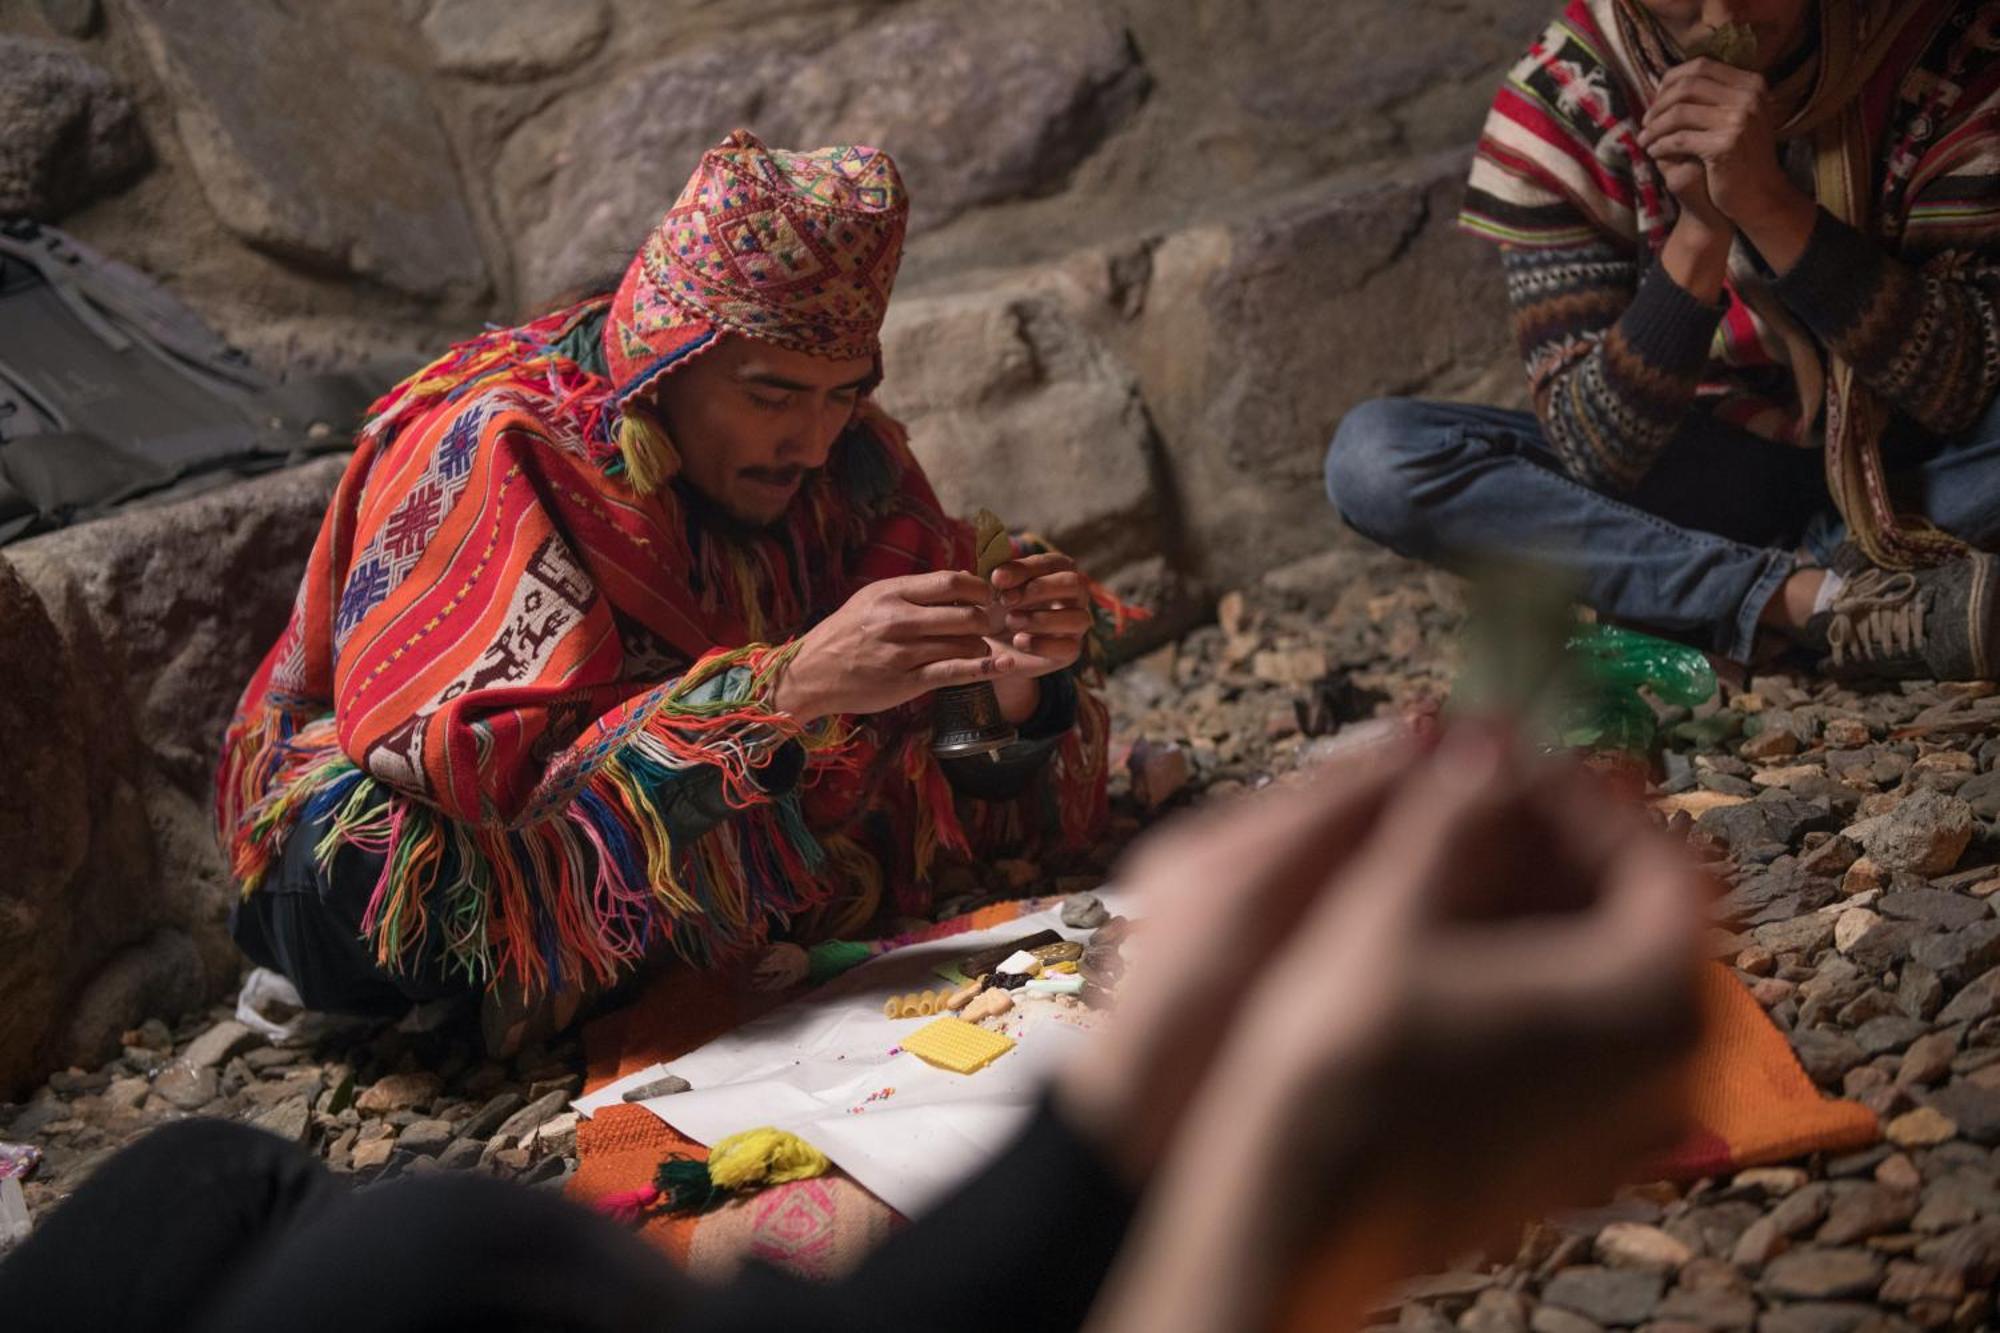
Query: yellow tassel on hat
{"type": "Point", "coordinates": [651, 461]}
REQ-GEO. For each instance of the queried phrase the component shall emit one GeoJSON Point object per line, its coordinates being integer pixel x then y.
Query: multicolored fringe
{"type": "Point", "coordinates": [585, 889]}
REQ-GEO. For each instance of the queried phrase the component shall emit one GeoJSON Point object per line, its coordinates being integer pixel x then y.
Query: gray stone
{"type": "Point", "coordinates": [1972, 1252]}
{"type": "Point", "coordinates": [461, 1155]}
{"type": "Point", "coordinates": [352, 174]}
{"type": "Point", "coordinates": [215, 1046]}
{"type": "Point", "coordinates": [187, 1087]}
{"type": "Point", "coordinates": [290, 1119]}
{"type": "Point", "coordinates": [1961, 955]}
{"type": "Point", "coordinates": [670, 1086]}
{"type": "Point", "coordinates": [1974, 1109]}
{"type": "Point", "coordinates": [1084, 911]}
{"type": "Point", "coordinates": [1813, 1274]}
{"type": "Point", "coordinates": [530, 1118]}
{"type": "Point", "coordinates": [1554, 1319]}
{"type": "Point", "coordinates": [1889, 1033]}
{"type": "Point", "coordinates": [1805, 935]}
{"type": "Point", "coordinates": [1864, 1211]}
{"type": "Point", "coordinates": [1712, 1308]}
{"type": "Point", "coordinates": [492, 1115]}
{"type": "Point", "coordinates": [1010, 374]}
{"type": "Point", "coordinates": [1978, 1000]}
{"type": "Point", "coordinates": [426, 1138]}
{"type": "Point", "coordinates": [71, 133]}
{"type": "Point", "coordinates": [977, 104]}
{"type": "Point", "coordinates": [512, 43]}
{"type": "Point", "coordinates": [1925, 833]}
{"type": "Point", "coordinates": [1817, 1317]}
{"type": "Point", "coordinates": [1885, 944]}
{"type": "Point", "coordinates": [1606, 1295]}
{"type": "Point", "coordinates": [1772, 818]}
{"type": "Point", "coordinates": [1826, 1054]}
{"type": "Point", "coordinates": [1934, 908]}
{"type": "Point", "coordinates": [1982, 793]}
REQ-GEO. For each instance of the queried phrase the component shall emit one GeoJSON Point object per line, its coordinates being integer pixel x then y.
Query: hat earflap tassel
{"type": "Point", "coordinates": [651, 461]}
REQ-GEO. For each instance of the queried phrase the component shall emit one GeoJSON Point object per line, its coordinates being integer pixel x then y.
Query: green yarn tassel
{"type": "Point", "coordinates": [685, 1186]}
{"type": "Point", "coordinates": [826, 961]}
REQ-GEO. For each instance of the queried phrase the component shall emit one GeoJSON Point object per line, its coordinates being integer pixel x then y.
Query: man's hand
{"type": "Point", "coordinates": [1045, 614]}
{"type": "Point", "coordinates": [892, 641]}
{"type": "Point", "coordinates": [1719, 117]}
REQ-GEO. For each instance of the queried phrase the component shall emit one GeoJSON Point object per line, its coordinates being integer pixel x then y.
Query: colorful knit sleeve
{"type": "Point", "coordinates": [1924, 336]}
{"type": "Point", "coordinates": [1614, 360]}
{"type": "Point", "coordinates": [539, 806]}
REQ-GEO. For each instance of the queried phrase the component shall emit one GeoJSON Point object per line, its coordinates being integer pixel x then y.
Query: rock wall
{"type": "Point", "coordinates": [1158, 248]}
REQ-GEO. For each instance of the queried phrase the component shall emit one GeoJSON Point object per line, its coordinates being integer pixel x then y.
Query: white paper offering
{"type": "Point", "coordinates": [830, 1068]}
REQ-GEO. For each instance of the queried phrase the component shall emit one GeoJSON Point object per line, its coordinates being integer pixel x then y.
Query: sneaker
{"type": "Point", "coordinates": [1926, 624]}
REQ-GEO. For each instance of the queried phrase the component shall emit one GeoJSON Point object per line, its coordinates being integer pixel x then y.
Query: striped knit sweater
{"type": "Point", "coordinates": [1619, 356]}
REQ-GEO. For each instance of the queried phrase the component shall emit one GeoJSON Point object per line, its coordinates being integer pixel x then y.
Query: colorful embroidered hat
{"type": "Point", "coordinates": [796, 249]}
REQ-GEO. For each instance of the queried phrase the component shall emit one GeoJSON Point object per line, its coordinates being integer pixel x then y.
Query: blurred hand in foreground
{"type": "Point", "coordinates": [1406, 1005]}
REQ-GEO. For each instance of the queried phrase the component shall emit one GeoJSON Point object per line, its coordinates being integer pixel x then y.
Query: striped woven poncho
{"type": "Point", "coordinates": [503, 657]}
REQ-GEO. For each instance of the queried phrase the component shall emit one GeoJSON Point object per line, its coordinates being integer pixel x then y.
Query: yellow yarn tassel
{"type": "Point", "coordinates": [651, 461]}
{"type": "Point", "coordinates": [759, 1157]}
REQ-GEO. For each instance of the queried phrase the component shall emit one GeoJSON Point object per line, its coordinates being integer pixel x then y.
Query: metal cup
{"type": "Point", "coordinates": [966, 721]}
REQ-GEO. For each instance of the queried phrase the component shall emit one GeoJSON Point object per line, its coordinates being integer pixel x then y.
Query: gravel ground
{"type": "Point", "coordinates": [1857, 834]}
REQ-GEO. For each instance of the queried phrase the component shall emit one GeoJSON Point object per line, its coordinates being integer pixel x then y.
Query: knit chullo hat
{"type": "Point", "coordinates": [797, 249]}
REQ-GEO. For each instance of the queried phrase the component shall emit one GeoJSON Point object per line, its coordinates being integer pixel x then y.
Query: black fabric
{"type": "Point", "coordinates": [225, 1229]}
{"type": "Point", "coordinates": [112, 391]}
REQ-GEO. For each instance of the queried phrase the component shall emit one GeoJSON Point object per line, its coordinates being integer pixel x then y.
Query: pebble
{"type": "Point", "coordinates": [1924, 1127]}
{"type": "Point", "coordinates": [1974, 1109]}
{"type": "Point", "coordinates": [426, 1138]}
{"type": "Point", "coordinates": [1638, 1246]}
{"type": "Point", "coordinates": [290, 1120]}
{"type": "Point", "coordinates": [1851, 925]}
{"type": "Point", "coordinates": [186, 1087]}
{"type": "Point", "coordinates": [215, 1046]}
{"type": "Point", "coordinates": [1820, 1275]}
{"type": "Point", "coordinates": [492, 1115]}
{"type": "Point", "coordinates": [1606, 1295]}
{"type": "Point", "coordinates": [672, 1085]}
{"type": "Point", "coordinates": [399, 1092]}
{"type": "Point", "coordinates": [461, 1155]}
{"type": "Point", "coordinates": [1866, 1211]}
{"type": "Point", "coordinates": [372, 1155]}
{"type": "Point", "coordinates": [1924, 833]}
{"type": "Point", "coordinates": [529, 1118]}
{"type": "Point", "coordinates": [1084, 911]}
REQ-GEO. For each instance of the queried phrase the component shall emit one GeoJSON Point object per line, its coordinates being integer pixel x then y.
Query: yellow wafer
{"type": "Point", "coordinates": [956, 1045]}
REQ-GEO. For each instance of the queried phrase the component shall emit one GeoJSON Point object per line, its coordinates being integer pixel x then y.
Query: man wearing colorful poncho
{"type": "Point", "coordinates": [1751, 250]}
{"type": "Point", "coordinates": [618, 639]}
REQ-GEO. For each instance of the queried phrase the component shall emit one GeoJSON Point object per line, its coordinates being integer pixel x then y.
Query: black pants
{"type": "Point", "coordinates": [213, 1226]}
{"type": "Point", "coordinates": [305, 922]}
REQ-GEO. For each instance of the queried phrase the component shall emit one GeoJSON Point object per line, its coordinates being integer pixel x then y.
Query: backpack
{"type": "Point", "coordinates": [114, 393]}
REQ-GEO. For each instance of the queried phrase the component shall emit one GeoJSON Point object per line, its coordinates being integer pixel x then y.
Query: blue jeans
{"type": "Point", "coordinates": [1694, 552]}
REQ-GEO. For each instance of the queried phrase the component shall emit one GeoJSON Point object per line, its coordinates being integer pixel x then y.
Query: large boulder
{"type": "Point", "coordinates": [1012, 405]}
{"type": "Point", "coordinates": [182, 600]}
{"type": "Point", "coordinates": [979, 104]}
{"type": "Point", "coordinates": [508, 42]}
{"type": "Point", "coordinates": [1260, 332]}
{"type": "Point", "coordinates": [312, 149]}
{"type": "Point", "coordinates": [68, 133]}
{"type": "Point", "coordinates": [127, 642]}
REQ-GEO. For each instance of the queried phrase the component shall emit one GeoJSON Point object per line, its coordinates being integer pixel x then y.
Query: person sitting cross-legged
{"type": "Point", "coordinates": [1753, 254]}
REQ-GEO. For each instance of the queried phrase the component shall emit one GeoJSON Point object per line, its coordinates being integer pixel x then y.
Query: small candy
{"type": "Point", "coordinates": [989, 1004]}
{"type": "Point", "coordinates": [1019, 964]}
{"type": "Point", "coordinates": [1065, 951]}
{"type": "Point", "coordinates": [1055, 986]}
{"type": "Point", "coordinates": [964, 995]}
